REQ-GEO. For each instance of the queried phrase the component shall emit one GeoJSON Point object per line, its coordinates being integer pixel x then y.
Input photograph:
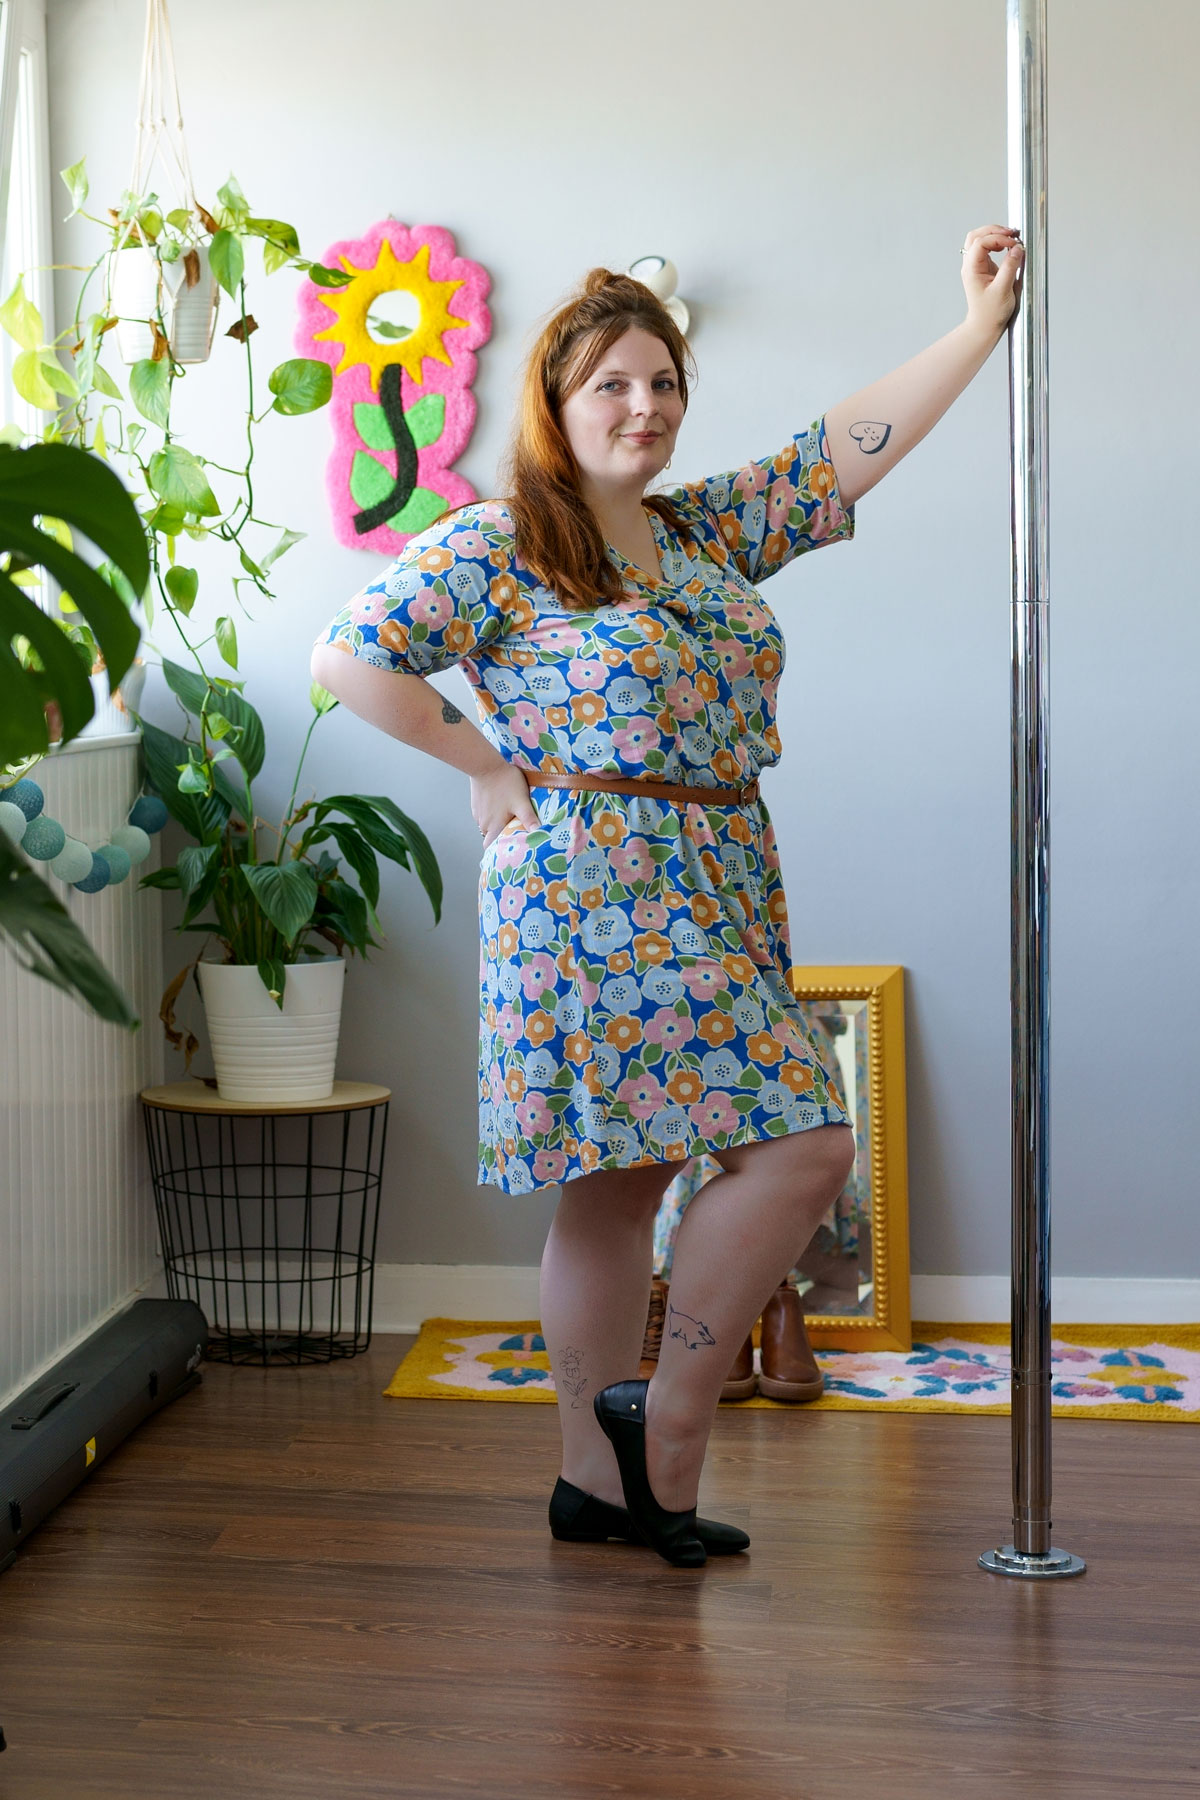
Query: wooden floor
{"type": "Point", "coordinates": [285, 1585]}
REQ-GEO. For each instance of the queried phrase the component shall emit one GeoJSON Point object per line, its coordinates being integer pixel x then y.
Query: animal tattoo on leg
{"type": "Point", "coordinates": [692, 1332]}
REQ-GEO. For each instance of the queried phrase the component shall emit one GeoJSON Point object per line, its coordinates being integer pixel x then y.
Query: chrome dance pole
{"type": "Point", "coordinates": [1031, 1552]}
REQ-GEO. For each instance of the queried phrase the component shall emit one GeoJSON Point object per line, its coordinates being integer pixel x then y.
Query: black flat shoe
{"type": "Point", "coordinates": [579, 1518]}
{"type": "Point", "coordinates": [621, 1410]}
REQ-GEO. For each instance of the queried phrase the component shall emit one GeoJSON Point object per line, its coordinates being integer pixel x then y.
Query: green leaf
{"type": "Point", "coordinates": [233, 200]}
{"type": "Point", "coordinates": [285, 544]}
{"type": "Point", "coordinates": [287, 895]}
{"type": "Point", "coordinates": [180, 218]}
{"type": "Point", "coordinates": [21, 318]}
{"type": "Point", "coordinates": [203, 817]}
{"type": "Point", "coordinates": [194, 862]}
{"type": "Point", "coordinates": [322, 700]}
{"type": "Point", "coordinates": [365, 811]}
{"type": "Point", "coordinates": [274, 978]}
{"type": "Point", "coordinates": [196, 695]}
{"type": "Point", "coordinates": [382, 328]}
{"type": "Point", "coordinates": [192, 778]}
{"type": "Point", "coordinates": [421, 508]}
{"type": "Point", "coordinates": [47, 941]}
{"type": "Point", "coordinates": [29, 379]}
{"type": "Point", "coordinates": [182, 585]}
{"type": "Point", "coordinates": [427, 420]}
{"type": "Point", "coordinates": [301, 385]}
{"type": "Point", "coordinates": [177, 477]}
{"type": "Point", "coordinates": [248, 563]}
{"type": "Point", "coordinates": [370, 422]}
{"type": "Point", "coordinates": [279, 234]}
{"type": "Point", "coordinates": [226, 636]}
{"type": "Point", "coordinates": [227, 260]}
{"type": "Point", "coordinates": [103, 383]}
{"type": "Point", "coordinates": [370, 482]}
{"type": "Point", "coordinates": [323, 276]}
{"type": "Point", "coordinates": [77, 184]}
{"type": "Point", "coordinates": [150, 390]}
{"type": "Point", "coordinates": [57, 376]}
{"type": "Point", "coordinates": [344, 908]}
{"type": "Point", "coordinates": [359, 854]}
{"type": "Point", "coordinates": [217, 726]}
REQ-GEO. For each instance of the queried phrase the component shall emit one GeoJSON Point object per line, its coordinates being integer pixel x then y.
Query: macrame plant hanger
{"type": "Point", "coordinates": [182, 294]}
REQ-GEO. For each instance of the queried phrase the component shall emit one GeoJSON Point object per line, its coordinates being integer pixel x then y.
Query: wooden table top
{"type": "Point", "coordinates": [197, 1097]}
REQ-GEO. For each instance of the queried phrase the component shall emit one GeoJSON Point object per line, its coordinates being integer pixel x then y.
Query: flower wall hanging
{"type": "Point", "coordinates": [402, 406]}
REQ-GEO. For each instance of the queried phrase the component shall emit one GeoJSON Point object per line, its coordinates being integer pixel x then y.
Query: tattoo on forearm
{"type": "Point", "coordinates": [691, 1332]}
{"type": "Point", "coordinates": [451, 714]}
{"type": "Point", "coordinates": [570, 1377]}
{"type": "Point", "coordinates": [870, 436]}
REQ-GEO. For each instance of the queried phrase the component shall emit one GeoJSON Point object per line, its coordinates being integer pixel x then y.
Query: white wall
{"type": "Point", "coordinates": [812, 172]}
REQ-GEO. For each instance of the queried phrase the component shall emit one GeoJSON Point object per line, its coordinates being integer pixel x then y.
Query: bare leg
{"type": "Point", "coordinates": [595, 1289]}
{"type": "Point", "coordinates": [739, 1236]}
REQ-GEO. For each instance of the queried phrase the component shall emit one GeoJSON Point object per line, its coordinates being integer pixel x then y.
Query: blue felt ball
{"type": "Point", "coordinates": [27, 795]}
{"type": "Point", "coordinates": [99, 877]}
{"type": "Point", "coordinates": [13, 822]}
{"type": "Point", "coordinates": [149, 812]}
{"type": "Point", "coordinates": [43, 839]}
{"type": "Point", "coordinates": [118, 860]}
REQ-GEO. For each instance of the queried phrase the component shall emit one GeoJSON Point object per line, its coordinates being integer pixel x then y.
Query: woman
{"type": "Point", "coordinates": [635, 949]}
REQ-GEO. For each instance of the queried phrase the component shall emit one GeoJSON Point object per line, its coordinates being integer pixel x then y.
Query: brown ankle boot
{"type": "Point", "coordinates": [655, 1319]}
{"type": "Point", "coordinates": [741, 1380]}
{"type": "Point", "coordinates": [789, 1368]}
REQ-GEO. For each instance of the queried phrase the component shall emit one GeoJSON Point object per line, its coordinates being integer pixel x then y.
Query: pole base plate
{"type": "Point", "coordinates": [1008, 1560]}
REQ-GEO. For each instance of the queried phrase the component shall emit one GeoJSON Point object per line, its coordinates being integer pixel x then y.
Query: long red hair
{"type": "Point", "coordinates": [556, 530]}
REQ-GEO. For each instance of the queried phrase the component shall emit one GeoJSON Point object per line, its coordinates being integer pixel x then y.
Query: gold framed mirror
{"type": "Point", "coordinates": [854, 1276]}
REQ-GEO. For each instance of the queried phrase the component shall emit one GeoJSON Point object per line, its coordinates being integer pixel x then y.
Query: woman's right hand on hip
{"type": "Point", "coordinates": [500, 798]}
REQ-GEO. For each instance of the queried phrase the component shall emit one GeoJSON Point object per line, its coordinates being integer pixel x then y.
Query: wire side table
{"type": "Point", "coordinates": [268, 1215]}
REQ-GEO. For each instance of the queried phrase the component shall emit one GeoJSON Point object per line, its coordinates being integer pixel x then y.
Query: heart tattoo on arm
{"type": "Point", "coordinates": [870, 436]}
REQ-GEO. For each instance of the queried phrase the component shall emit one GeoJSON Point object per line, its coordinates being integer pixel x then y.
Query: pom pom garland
{"type": "Point", "coordinates": [24, 822]}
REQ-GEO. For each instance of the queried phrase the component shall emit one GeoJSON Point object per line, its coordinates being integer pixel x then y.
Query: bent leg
{"type": "Point", "coordinates": [738, 1238]}
{"type": "Point", "coordinates": [595, 1288]}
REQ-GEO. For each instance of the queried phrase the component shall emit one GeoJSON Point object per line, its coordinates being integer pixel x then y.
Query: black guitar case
{"type": "Point", "coordinates": [68, 1421]}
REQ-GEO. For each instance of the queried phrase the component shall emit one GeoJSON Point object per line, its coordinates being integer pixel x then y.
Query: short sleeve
{"type": "Point", "coordinates": [449, 594]}
{"type": "Point", "coordinates": [776, 509]}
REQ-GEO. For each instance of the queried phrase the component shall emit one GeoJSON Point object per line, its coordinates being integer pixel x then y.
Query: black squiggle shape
{"type": "Point", "coordinates": [406, 454]}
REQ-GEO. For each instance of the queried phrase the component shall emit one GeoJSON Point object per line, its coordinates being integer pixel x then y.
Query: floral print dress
{"type": "Point", "coordinates": [634, 1003]}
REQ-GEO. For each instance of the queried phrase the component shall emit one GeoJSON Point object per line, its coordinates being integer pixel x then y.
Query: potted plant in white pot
{"type": "Point", "coordinates": [275, 899]}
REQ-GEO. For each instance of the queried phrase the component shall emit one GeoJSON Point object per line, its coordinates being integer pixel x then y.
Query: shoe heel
{"type": "Point", "coordinates": [621, 1413]}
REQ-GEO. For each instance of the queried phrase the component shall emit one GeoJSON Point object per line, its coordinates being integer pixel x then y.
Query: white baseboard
{"type": "Point", "coordinates": [406, 1293]}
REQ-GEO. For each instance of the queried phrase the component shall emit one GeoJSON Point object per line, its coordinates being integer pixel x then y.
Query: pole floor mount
{"type": "Point", "coordinates": [1006, 1559]}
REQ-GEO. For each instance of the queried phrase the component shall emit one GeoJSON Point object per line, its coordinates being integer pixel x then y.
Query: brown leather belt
{"type": "Point", "coordinates": [677, 793]}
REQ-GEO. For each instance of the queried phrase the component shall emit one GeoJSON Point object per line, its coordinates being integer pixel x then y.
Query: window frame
{"type": "Point", "coordinates": [24, 103]}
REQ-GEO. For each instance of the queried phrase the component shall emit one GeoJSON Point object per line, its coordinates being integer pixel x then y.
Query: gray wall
{"type": "Point", "coordinates": [812, 174]}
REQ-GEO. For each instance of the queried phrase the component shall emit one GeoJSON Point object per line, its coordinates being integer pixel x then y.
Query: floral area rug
{"type": "Point", "coordinates": [1099, 1371]}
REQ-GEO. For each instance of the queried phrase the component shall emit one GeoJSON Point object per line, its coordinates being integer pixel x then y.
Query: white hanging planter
{"type": "Point", "coordinates": [189, 314]}
{"type": "Point", "coordinates": [266, 1055]}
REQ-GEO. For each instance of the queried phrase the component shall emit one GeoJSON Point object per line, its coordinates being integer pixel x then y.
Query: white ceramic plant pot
{"type": "Point", "coordinates": [189, 313]}
{"type": "Point", "coordinates": [264, 1054]}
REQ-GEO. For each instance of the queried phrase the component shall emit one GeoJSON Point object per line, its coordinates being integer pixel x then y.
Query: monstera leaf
{"type": "Point", "coordinates": [59, 482]}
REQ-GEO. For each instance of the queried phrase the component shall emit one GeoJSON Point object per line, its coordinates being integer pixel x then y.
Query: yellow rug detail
{"type": "Point", "coordinates": [1099, 1371]}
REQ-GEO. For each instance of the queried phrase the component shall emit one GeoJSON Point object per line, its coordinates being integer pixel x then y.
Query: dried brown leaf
{"type": "Point", "coordinates": [241, 328]}
{"type": "Point", "coordinates": [161, 346]}
{"type": "Point", "coordinates": [191, 267]}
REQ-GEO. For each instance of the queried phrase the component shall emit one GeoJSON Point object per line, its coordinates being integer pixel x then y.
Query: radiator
{"type": "Point", "coordinates": [78, 1239]}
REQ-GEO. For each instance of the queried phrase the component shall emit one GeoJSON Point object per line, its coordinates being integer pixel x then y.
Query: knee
{"type": "Point", "coordinates": [826, 1158]}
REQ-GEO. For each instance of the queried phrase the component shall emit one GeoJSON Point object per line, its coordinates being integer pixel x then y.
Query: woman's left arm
{"type": "Point", "coordinates": [873, 429]}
